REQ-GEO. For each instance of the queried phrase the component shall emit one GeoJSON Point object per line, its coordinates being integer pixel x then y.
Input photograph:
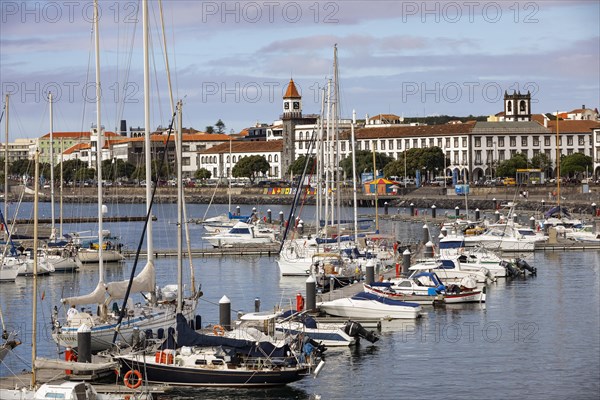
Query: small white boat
{"type": "Point", "coordinates": [280, 325]}
{"type": "Point", "coordinates": [242, 234]}
{"type": "Point", "coordinates": [8, 272]}
{"type": "Point", "coordinates": [369, 305]}
{"type": "Point", "coordinates": [66, 391]}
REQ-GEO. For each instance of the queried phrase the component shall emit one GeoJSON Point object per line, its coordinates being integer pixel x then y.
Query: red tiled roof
{"type": "Point", "coordinates": [573, 126]}
{"type": "Point", "coordinates": [291, 92]}
{"type": "Point", "coordinates": [198, 137]}
{"type": "Point", "coordinates": [406, 131]}
{"type": "Point", "coordinates": [246, 147]}
{"type": "Point", "coordinates": [384, 116]}
{"type": "Point", "coordinates": [76, 147]}
{"type": "Point", "coordinates": [75, 135]}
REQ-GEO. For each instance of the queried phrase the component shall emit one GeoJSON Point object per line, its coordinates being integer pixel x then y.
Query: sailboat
{"type": "Point", "coordinates": [55, 390]}
{"type": "Point", "coordinates": [157, 312]}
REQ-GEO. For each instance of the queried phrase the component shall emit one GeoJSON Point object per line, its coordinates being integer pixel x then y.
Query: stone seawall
{"type": "Point", "coordinates": [482, 198]}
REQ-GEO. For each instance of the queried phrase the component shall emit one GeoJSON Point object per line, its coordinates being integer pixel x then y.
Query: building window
{"type": "Point", "coordinates": [185, 161]}
{"type": "Point", "coordinates": [391, 144]}
{"type": "Point", "coordinates": [581, 140]}
{"type": "Point", "coordinates": [300, 145]}
{"type": "Point", "coordinates": [383, 145]}
{"type": "Point", "coordinates": [536, 152]}
{"type": "Point", "coordinates": [464, 142]}
{"type": "Point", "coordinates": [513, 141]}
{"type": "Point", "coordinates": [524, 141]}
{"type": "Point", "coordinates": [343, 146]}
{"type": "Point", "coordinates": [406, 144]}
{"type": "Point", "coordinates": [276, 158]}
{"type": "Point", "coordinates": [569, 151]}
{"type": "Point", "coordinates": [455, 142]}
{"type": "Point", "coordinates": [447, 142]}
{"type": "Point", "coordinates": [501, 141]}
{"type": "Point", "coordinates": [546, 140]}
{"type": "Point", "coordinates": [536, 141]}
{"type": "Point", "coordinates": [374, 145]}
{"type": "Point", "coordinates": [501, 155]}
{"type": "Point", "coordinates": [399, 143]}
{"type": "Point", "coordinates": [569, 140]}
{"type": "Point", "coordinates": [478, 142]}
{"type": "Point", "coordinates": [270, 158]}
{"type": "Point", "coordinates": [439, 143]}
{"type": "Point", "coordinates": [478, 157]}
{"type": "Point", "coordinates": [423, 143]}
{"type": "Point", "coordinates": [431, 142]}
{"type": "Point", "coordinates": [415, 143]}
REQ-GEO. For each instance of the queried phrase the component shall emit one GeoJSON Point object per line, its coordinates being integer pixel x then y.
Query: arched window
{"type": "Point", "coordinates": [227, 158]}
{"type": "Point", "coordinates": [509, 106]}
{"type": "Point", "coordinates": [276, 158]}
{"type": "Point", "coordinates": [233, 159]}
{"type": "Point", "coordinates": [523, 106]}
{"type": "Point", "coordinates": [270, 158]}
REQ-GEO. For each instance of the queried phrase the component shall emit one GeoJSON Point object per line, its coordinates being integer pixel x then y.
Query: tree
{"type": "Point", "coordinates": [575, 163]}
{"type": "Point", "coordinates": [250, 167]}
{"type": "Point", "coordinates": [210, 129]}
{"type": "Point", "coordinates": [116, 168]}
{"type": "Point", "coordinates": [220, 125]}
{"type": "Point", "coordinates": [202, 174]}
{"type": "Point", "coordinates": [297, 167]}
{"type": "Point", "coordinates": [428, 159]}
{"type": "Point", "coordinates": [541, 161]}
{"type": "Point", "coordinates": [509, 168]}
{"type": "Point", "coordinates": [21, 167]}
{"type": "Point", "coordinates": [364, 162]}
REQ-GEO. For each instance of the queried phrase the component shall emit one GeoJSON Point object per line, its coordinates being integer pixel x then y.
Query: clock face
{"type": "Point", "coordinates": [296, 105]}
{"type": "Point", "coordinates": [286, 106]}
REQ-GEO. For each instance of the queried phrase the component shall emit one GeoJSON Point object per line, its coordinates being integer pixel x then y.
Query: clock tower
{"type": "Point", "coordinates": [292, 116]}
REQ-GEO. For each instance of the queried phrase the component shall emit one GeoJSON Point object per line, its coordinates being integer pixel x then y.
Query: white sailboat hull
{"type": "Point", "coordinates": [90, 256]}
{"type": "Point", "coordinates": [102, 334]}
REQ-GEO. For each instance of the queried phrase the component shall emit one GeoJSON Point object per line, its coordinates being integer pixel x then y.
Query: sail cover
{"type": "Point", "coordinates": [96, 297]}
{"type": "Point", "coordinates": [144, 282]}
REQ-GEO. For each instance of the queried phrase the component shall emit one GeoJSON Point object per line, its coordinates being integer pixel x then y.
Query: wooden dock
{"type": "Point", "coordinates": [261, 251]}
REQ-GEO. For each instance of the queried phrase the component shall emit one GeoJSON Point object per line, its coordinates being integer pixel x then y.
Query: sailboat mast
{"type": "Point", "coordinates": [100, 141]}
{"type": "Point", "coordinates": [35, 267]}
{"type": "Point", "coordinates": [6, 165]}
{"type": "Point", "coordinates": [179, 211]}
{"type": "Point", "coordinates": [147, 141]}
{"type": "Point", "coordinates": [60, 193]}
{"type": "Point", "coordinates": [327, 157]}
{"type": "Point", "coordinates": [52, 225]}
{"type": "Point", "coordinates": [336, 140]}
{"type": "Point", "coordinates": [354, 191]}
{"type": "Point", "coordinates": [557, 164]}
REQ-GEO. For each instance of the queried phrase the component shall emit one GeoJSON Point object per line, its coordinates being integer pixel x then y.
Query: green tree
{"type": "Point", "coordinates": [210, 129]}
{"type": "Point", "coordinates": [575, 163]}
{"type": "Point", "coordinates": [297, 167]}
{"type": "Point", "coordinates": [114, 169]}
{"type": "Point", "coordinates": [220, 125]}
{"type": "Point", "coordinates": [250, 167]}
{"type": "Point", "coordinates": [76, 170]}
{"type": "Point", "coordinates": [509, 168]}
{"type": "Point", "coordinates": [21, 167]}
{"type": "Point", "coordinates": [428, 159]}
{"type": "Point", "coordinates": [541, 161]}
{"type": "Point", "coordinates": [364, 162]}
{"type": "Point", "coordinates": [202, 174]}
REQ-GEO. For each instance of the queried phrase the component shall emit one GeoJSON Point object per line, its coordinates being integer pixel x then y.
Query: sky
{"type": "Point", "coordinates": [232, 60]}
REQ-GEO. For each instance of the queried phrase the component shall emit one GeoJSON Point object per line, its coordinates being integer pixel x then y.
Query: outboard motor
{"type": "Point", "coordinates": [525, 265]}
{"type": "Point", "coordinates": [510, 268]}
{"type": "Point", "coordinates": [354, 329]}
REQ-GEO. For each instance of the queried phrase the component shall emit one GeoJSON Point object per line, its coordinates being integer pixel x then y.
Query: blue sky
{"type": "Point", "coordinates": [232, 60]}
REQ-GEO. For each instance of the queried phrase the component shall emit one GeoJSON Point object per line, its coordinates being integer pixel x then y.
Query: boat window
{"type": "Point", "coordinates": [404, 284]}
{"type": "Point", "coordinates": [217, 362]}
{"type": "Point", "coordinates": [241, 231]}
{"type": "Point", "coordinates": [200, 362]}
{"type": "Point", "coordinates": [526, 232]}
{"type": "Point", "coordinates": [57, 396]}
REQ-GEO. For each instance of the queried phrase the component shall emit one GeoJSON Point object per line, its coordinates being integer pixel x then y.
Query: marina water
{"type": "Point", "coordinates": [535, 338]}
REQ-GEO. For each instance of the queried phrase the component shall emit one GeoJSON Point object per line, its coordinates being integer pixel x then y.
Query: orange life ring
{"type": "Point", "coordinates": [133, 379]}
{"type": "Point", "coordinates": [218, 330]}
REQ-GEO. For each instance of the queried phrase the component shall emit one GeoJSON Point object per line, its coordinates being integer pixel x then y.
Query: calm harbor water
{"type": "Point", "coordinates": [534, 338]}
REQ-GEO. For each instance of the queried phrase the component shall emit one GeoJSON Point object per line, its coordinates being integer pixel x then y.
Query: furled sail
{"type": "Point", "coordinates": [144, 282]}
{"type": "Point", "coordinates": [96, 297]}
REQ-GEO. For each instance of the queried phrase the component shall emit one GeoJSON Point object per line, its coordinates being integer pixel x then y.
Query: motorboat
{"type": "Point", "coordinates": [369, 305]}
{"type": "Point", "coordinates": [280, 325]}
{"type": "Point", "coordinates": [242, 234]}
{"type": "Point", "coordinates": [428, 288]}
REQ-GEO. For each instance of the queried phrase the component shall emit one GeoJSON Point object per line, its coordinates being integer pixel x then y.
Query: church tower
{"type": "Point", "coordinates": [517, 106]}
{"type": "Point", "coordinates": [292, 116]}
